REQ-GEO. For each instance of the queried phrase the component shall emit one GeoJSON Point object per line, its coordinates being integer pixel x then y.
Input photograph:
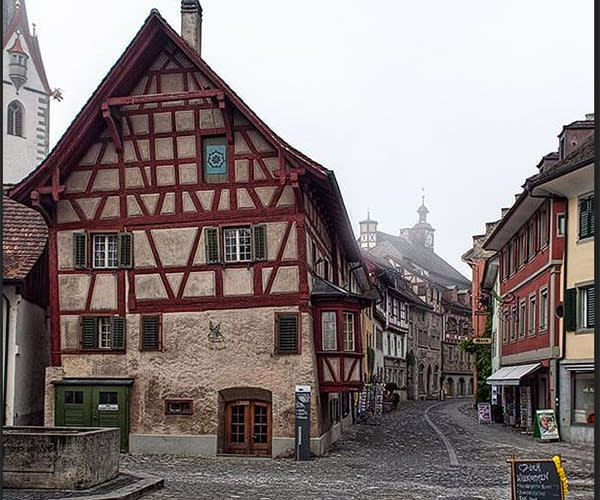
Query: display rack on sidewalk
{"type": "Point", "coordinates": [370, 404]}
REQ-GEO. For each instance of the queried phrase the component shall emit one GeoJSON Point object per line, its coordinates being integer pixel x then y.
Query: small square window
{"type": "Point", "coordinates": [74, 397]}
{"type": "Point", "coordinates": [237, 244]}
{"type": "Point", "coordinates": [287, 333]}
{"type": "Point", "coordinates": [105, 251]}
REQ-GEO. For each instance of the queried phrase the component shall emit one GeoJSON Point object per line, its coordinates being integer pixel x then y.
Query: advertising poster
{"type": "Point", "coordinates": [546, 424]}
{"type": "Point", "coordinates": [484, 413]}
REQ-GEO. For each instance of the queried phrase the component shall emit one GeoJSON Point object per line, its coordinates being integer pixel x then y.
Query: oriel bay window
{"type": "Point", "coordinates": [338, 329]}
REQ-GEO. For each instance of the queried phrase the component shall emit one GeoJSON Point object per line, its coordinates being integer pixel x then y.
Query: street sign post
{"type": "Point", "coordinates": [302, 422]}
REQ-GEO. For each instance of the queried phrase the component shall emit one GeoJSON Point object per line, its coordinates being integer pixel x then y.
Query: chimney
{"type": "Point", "coordinates": [191, 23]}
{"type": "Point", "coordinates": [589, 117]}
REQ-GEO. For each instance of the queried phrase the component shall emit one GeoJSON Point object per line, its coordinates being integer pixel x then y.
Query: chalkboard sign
{"type": "Point", "coordinates": [535, 480]}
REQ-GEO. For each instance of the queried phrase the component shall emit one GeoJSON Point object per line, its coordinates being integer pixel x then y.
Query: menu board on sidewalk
{"type": "Point", "coordinates": [484, 413]}
{"type": "Point", "coordinates": [535, 480]}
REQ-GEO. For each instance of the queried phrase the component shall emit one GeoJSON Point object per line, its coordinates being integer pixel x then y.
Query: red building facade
{"type": "Point", "coordinates": [530, 247]}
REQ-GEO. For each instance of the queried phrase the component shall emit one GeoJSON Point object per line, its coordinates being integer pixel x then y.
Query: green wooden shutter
{"type": "Point", "coordinates": [260, 242]}
{"type": "Point", "coordinates": [89, 332]}
{"type": "Point", "coordinates": [211, 241]}
{"type": "Point", "coordinates": [287, 338]}
{"type": "Point", "coordinates": [150, 332]}
{"type": "Point", "coordinates": [570, 307]}
{"type": "Point", "coordinates": [118, 333]}
{"type": "Point", "coordinates": [79, 250]}
{"type": "Point", "coordinates": [125, 250]}
{"type": "Point", "coordinates": [584, 218]}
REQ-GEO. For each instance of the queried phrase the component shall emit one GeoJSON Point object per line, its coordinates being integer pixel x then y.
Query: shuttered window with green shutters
{"type": "Point", "coordinates": [211, 241]}
{"type": "Point", "coordinates": [79, 250]}
{"type": "Point", "coordinates": [586, 217]}
{"type": "Point", "coordinates": [102, 333]}
{"type": "Point", "coordinates": [260, 242]}
{"type": "Point", "coordinates": [110, 250]}
{"type": "Point", "coordinates": [151, 339]}
{"type": "Point", "coordinates": [287, 334]}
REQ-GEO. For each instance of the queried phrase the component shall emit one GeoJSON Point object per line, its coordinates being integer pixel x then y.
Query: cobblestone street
{"type": "Point", "coordinates": [404, 458]}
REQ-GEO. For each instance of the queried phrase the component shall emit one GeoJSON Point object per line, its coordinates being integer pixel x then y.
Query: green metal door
{"type": "Point", "coordinates": [94, 406]}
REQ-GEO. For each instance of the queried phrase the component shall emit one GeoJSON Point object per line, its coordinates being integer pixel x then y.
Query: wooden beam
{"type": "Point", "coordinates": [113, 126]}
{"type": "Point", "coordinates": [171, 96]}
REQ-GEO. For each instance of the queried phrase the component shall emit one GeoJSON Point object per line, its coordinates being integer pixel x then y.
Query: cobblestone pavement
{"type": "Point", "coordinates": [403, 458]}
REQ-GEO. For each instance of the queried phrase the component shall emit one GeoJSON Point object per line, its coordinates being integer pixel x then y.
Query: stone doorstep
{"type": "Point", "coordinates": [146, 484]}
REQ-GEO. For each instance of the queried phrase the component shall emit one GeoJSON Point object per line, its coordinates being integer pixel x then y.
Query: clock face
{"type": "Point", "coordinates": [429, 239]}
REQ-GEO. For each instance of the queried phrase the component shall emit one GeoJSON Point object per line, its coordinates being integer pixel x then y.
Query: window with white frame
{"type": "Point", "coordinates": [543, 309]}
{"type": "Point", "coordinates": [329, 331]}
{"type": "Point", "coordinates": [543, 228]}
{"type": "Point", "coordinates": [105, 248]}
{"type": "Point", "coordinates": [586, 307]}
{"type": "Point", "coordinates": [349, 331]}
{"type": "Point", "coordinates": [522, 317]}
{"type": "Point", "coordinates": [560, 225]}
{"type": "Point", "coordinates": [532, 315]}
{"type": "Point", "coordinates": [237, 243]}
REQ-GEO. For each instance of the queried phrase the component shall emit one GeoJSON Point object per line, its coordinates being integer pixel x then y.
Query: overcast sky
{"type": "Point", "coordinates": [460, 98]}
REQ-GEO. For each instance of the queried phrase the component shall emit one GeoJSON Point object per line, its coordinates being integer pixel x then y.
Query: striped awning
{"type": "Point", "coordinates": [511, 375]}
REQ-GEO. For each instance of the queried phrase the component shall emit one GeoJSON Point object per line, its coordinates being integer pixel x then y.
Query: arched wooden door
{"type": "Point", "coordinates": [248, 427]}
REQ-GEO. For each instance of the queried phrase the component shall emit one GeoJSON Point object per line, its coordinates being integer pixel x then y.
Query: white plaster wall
{"type": "Point", "coordinates": [28, 357]}
{"type": "Point", "coordinates": [20, 154]}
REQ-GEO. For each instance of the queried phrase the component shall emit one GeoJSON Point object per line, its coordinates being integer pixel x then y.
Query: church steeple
{"type": "Point", "coordinates": [422, 232]}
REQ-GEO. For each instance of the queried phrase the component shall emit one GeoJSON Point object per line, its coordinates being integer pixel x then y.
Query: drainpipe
{"type": "Point", "coordinates": [6, 310]}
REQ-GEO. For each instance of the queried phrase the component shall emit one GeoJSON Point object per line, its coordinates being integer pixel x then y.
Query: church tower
{"type": "Point", "coordinates": [422, 232]}
{"type": "Point", "coordinates": [26, 94]}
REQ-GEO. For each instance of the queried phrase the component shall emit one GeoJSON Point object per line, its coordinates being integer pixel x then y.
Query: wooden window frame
{"type": "Point", "coordinates": [334, 312]}
{"type": "Point", "coordinates": [298, 333]}
{"type": "Point", "coordinates": [561, 228]}
{"type": "Point", "coordinates": [169, 401]}
{"type": "Point", "coordinates": [522, 315]}
{"type": "Point", "coordinates": [160, 332]}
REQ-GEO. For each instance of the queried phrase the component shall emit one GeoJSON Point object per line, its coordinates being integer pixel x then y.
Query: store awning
{"type": "Point", "coordinates": [511, 375]}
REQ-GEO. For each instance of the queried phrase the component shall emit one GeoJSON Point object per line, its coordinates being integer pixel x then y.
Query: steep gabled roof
{"type": "Point", "coordinates": [439, 270]}
{"type": "Point", "coordinates": [24, 236]}
{"type": "Point", "coordinates": [19, 21]}
{"type": "Point", "coordinates": [121, 79]}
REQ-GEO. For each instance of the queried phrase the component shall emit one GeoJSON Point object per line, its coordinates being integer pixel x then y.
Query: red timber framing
{"type": "Point", "coordinates": [107, 122]}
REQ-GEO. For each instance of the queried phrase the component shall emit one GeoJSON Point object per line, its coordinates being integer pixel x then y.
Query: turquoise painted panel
{"type": "Point", "coordinates": [215, 159]}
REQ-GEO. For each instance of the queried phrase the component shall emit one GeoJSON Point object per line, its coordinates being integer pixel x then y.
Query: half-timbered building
{"type": "Point", "coordinates": [200, 267]}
